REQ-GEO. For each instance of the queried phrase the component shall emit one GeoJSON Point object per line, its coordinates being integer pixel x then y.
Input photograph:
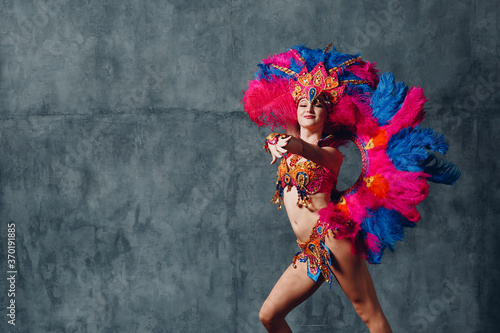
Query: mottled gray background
{"type": "Point", "coordinates": [140, 191]}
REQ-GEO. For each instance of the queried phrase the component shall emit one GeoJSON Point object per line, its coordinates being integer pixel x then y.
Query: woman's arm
{"type": "Point", "coordinates": [327, 157]}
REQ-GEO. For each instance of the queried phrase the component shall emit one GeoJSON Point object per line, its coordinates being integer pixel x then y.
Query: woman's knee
{"type": "Point", "coordinates": [264, 316]}
{"type": "Point", "coordinates": [366, 310]}
{"type": "Point", "coordinates": [267, 316]}
{"type": "Point", "coordinates": [361, 311]}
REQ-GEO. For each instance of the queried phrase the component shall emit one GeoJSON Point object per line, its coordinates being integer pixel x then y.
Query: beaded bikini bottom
{"type": "Point", "coordinates": [316, 254]}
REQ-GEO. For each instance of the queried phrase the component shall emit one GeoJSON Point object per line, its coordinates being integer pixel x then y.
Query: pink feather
{"type": "Point", "coordinates": [411, 112]}
{"type": "Point", "coordinates": [270, 103]}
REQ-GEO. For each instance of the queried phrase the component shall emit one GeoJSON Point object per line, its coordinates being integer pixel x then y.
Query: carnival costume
{"type": "Point", "coordinates": [381, 117]}
{"type": "Point", "coordinates": [306, 176]}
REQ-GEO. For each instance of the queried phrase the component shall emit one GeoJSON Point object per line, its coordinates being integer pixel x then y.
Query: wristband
{"type": "Point", "coordinates": [272, 139]}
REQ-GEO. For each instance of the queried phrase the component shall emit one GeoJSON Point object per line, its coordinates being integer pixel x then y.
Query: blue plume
{"type": "Point", "coordinates": [335, 59]}
{"type": "Point", "coordinates": [387, 98]}
{"type": "Point", "coordinates": [346, 75]}
{"type": "Point", "coordinates": [331, 59]}
{"type": "Point", "coordinates": [312, 57]}
{"type": "Point", "coordinates": [388, 226]}
{"type": "Point", "coordinates": [355, 89]}
{"type": "Point", "coordinates": [295, 65]}
{"type": "Point", "coordinates": [409, 148]}
{"type": "Point", "coordinates": [441, 171]}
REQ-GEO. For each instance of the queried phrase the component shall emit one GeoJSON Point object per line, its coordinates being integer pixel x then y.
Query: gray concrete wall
{"type": "Point", "coordinates": [140, 192]}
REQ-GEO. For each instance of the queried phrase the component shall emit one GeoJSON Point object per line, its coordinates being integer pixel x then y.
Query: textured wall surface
{"type": "Point", "coordinates": [140, 192]}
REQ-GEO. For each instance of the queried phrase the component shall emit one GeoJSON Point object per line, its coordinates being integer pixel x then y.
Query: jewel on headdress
{"type": "Point", "coordinates": [305, 79]}
{"type": "Point", "coordinates": [331, 83]}
{"type": "Point", "coordinates": [312, 84]}
{"type": "Point", "coordinates": [296, 92]}
{"type": "Point", "coordinates": [312, 94]}
{"type": "Point", "coordinates": [318, 79]}
{"type": "Point", "coordinates": [336, 93]}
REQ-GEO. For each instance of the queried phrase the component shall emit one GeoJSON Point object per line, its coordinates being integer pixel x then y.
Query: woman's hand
{"type": "Point", "coordinates": [279, 149]}
{"type": "Point", "coordinates": [278, 145]}
{"type": "Point", "coordinates": [330, 238]}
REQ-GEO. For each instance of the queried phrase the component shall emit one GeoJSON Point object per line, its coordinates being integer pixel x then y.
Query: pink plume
{"type": "Point", "coordinates": [411, 112]}
{"type": "Point", "coordinates": [270, 103]}
{"type": "Point", "coordinates": [365, 71]}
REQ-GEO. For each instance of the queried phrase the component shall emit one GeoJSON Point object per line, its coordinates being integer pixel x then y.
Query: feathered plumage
{"type": "Point", "coordinates": [411, 150]}
{"type": "Point", "coordinates": [387, 99]}
{"type": "Point", "coordinates": [384, 228]}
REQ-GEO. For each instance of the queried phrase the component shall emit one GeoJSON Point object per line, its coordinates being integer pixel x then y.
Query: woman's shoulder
{"type": "Point", "coordinates": [332, 141]}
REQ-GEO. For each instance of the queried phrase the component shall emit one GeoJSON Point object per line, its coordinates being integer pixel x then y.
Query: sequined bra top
{"type": "Point", "coordinates": [307, 176]}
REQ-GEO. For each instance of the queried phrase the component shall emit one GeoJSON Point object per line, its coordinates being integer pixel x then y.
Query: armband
{"type": "Point", "coordinates": [272, 139]}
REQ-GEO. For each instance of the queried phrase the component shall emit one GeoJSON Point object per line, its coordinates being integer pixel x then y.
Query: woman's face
{"type": "Point", "coordinates": [312, 115]}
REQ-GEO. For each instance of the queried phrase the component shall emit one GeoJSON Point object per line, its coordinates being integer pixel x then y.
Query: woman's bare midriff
{"type": "Point", "coordinates": [303, 219]}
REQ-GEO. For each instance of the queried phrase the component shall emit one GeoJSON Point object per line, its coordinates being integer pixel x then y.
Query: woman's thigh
{"type": "Point", "coordinates": [353, 275]}
{"type": "Point", "coordinates": [293, 287]}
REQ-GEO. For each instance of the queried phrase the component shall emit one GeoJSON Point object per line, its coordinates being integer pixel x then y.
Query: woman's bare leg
{"type": "Point", "coordinates": [354, 278]}
{"type": "Point", "coordinates": [293, 287]}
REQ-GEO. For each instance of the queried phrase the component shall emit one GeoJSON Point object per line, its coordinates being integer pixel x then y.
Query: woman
{"type": "Point", "coordinates": [295, 286]}
{"type": "Point", "coordinates": [323, 93]}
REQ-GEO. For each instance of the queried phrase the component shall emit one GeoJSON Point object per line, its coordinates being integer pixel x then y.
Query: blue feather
{"type": "Point", "coordinates": [311, 57]}
{"type": "Point", "coordinates": [331, 59]}
{"type": "Point", "coordinates": [335, 59]}
{"type": "Point", "coordinates": [441, 171]}
{"type": "Point", "coordinates": [295, 65]}
{"type": "Point", "coordinates": [410, 147]}
{"type": "Point", "coordinates": [387, 98]}
{"type": "Point", "coordinates": [356, 89]}
{"type": "Point", "coordinates": [411, 150]}
{"type": "Point", "coordinates": [388, 226]}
